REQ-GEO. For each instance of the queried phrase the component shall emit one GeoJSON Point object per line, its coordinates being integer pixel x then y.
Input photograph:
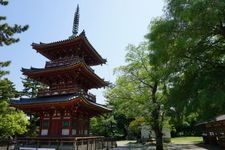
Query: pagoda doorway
{"type": "Point", "coordinates": [56, 128]}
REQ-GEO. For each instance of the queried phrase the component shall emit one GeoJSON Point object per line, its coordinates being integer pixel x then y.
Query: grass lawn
{"type": "Point", "coordinates": [187, 140]}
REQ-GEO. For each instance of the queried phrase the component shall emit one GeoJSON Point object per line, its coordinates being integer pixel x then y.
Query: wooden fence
{"type": "Point", "coordinates": [65, 143]}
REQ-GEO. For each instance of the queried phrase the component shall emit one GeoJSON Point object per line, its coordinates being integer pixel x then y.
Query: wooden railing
{"type": "Point", "coordinates": [63, 62]}
{"type": "Point", "coordinates": [66, 143]}
{"type": "Point", "coordinates": [50, 92]}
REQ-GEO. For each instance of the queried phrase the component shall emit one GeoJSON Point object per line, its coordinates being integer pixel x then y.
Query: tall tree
{"type": "Point", "coordinates": [12, 121]}
{"type": "Point", "coordinates": [31, 87]}
{"type": "Point", "coordinates": [189, 39]}
{"type": "Point", "coordinates": [103, 125]}
{"type": "Point", "coordinates": [140, 90]}
{"type": "Point", "coordinates": [110, 125]}
{"type": "Point", "coordinates": [7, 32]}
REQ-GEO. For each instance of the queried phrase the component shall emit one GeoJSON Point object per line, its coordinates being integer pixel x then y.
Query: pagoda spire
{"type": "Point", "coordinates": [75, 22]}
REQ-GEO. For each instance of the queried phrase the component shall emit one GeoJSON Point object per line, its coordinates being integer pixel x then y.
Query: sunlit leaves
{"type": "Point", "coordinates": [190, 41]}
{"type": "Point", "coordinates": [12, 121]}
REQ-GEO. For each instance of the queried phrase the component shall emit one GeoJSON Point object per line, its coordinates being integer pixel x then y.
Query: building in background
{"type": "Point", "coordinates": [66, 106]}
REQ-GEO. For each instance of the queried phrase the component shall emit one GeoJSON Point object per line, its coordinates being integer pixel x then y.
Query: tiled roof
{"type": "Point", "coordinates": [51, 99]}
{"type": "Point", "coordinates": [48, 99]}
{"type": "Point", "coordinates": [215, 119]}
{"type": "Point", "coordinates": [39, 47]}
{"type": "Point", "coordinates": [33, 70]}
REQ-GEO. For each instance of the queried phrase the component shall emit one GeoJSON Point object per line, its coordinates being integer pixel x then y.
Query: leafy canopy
{"type": "Point", "coordinates": [140, 91]}
{"type": "Point", "coordinates": [12, 121]}
{"type": "Point", "coordinates": [190, 41]}
{"type": "Point", "coordinates": [8, 32]}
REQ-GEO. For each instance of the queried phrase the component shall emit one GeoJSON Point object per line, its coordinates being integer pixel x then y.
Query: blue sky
{"type": "Point", "coordinates": [110, 25]}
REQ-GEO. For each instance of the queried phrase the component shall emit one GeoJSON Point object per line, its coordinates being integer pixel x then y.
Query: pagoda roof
{"type": "Point", "coordinates": [30, 105]}
{"type": "Point", "coordinates": [72, 70]}
{"type": "Point", "coordinates": [51, 50]}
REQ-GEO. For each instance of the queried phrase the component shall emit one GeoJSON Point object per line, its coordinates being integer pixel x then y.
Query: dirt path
{"type": "Point", "coordinates": [125, 145]}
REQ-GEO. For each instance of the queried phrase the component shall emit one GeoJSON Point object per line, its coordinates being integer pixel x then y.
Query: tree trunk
{"type": "Point", "coordinates": [158, 135]}
{"type": "Point", "coordinates": [157, 121]}
{"type": "Point", "coordinates": [159, 140]}
{"type": "Point", "coordinates": [7, 147]}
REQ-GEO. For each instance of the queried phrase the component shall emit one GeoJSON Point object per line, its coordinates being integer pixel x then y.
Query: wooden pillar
{"type": "Point", "coordinates": [50, 123]}
{"type": "Point", "coordinates": [70, 123]}
{"type": "Point", "coordinates": [61, 120]}
{"type": "Point", "coordinates": [88, 125]}
{"type": "Point", "coordinates": [41, 125]}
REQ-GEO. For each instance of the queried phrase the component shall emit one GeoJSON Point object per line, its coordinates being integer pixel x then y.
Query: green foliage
{"type": "Point", "coordinates": [4, 2]}
{"type": "Point", "coordinates": [7, 89]}
{"type": "Point", "coordinates": [140, 90]}
{"type": "Point", "coordinates": [7, 32]}
{"type": "Point", "coordinates": [136, 125]}
{"type": "Point", "coordinates": [110, 125]}
{"type": "Point", "coordinates": [31, 87]}
{"type": "Point", "coordinates": [32, 128]}
{"type": "Point", "coordinates": [189, 40]}
{"type": "Point", "coordinates": [122, 125]}
{"type": "Point", "coordinates": [12, 121]}
{"type": "Point", "coordinates": [103, 125]}
{"type": "Point", "coordinates": [2, 65]}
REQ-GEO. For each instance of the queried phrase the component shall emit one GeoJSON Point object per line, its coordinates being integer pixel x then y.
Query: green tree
{"type": "Point", "coordinates": [12, 121]}
{"type": "Point", "coordinates": [7, 32]}
{"type": "Point", "coordinates": [141, 90]}
{"type": "Point", "coordinates": [136, 125]}
{"type": "Point", "coordinates": [31, 87]}
{"type": "Point", "coordinates": [110, 125]}
{"type": "Point", "coordinates": [189, 39]}
{"type": "Point", "coordinates": [122, 125]}
{"type": "Point", "coordinates": [103, 125]}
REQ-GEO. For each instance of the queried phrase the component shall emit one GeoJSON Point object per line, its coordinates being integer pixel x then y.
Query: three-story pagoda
{"type": "Point", "coordinates": [66, 106]}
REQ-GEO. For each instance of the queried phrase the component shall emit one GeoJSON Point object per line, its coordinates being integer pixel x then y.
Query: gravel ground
{"type": "Point", "coordinates": [123, 145]}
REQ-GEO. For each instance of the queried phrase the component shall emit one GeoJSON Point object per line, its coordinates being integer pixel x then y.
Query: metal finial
{"type": "Point", "coordinates": [76, 22]}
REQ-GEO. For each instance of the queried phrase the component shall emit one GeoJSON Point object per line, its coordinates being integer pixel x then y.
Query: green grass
{"type": "Point", "coordinates": [186, 140]}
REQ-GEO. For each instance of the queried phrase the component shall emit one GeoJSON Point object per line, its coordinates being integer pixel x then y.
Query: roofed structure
{"type": "Point", "coordinates": [65, 107]}
{"type": "Point", "coordinates": [75, 46]}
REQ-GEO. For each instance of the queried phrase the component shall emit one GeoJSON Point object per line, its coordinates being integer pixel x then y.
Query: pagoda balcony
{"type": "Point", "coordinates": [63, 62]}
{"type": "Point", "coordinates": [88, 96]}
{"type": "Point", "coordinates": [50, 92]}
